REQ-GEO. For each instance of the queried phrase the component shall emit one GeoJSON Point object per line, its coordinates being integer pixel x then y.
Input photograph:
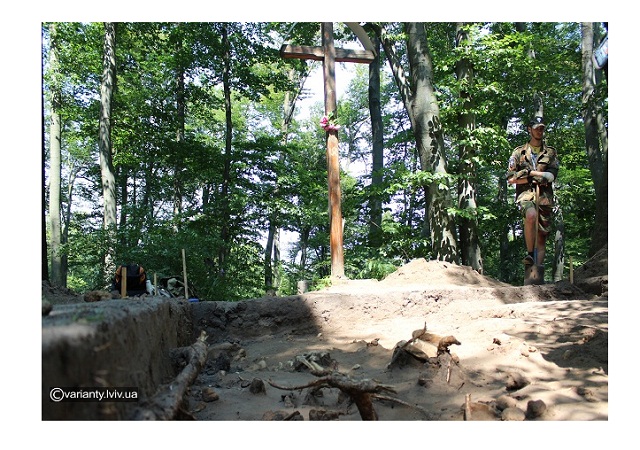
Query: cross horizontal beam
{"type": "Point", "coordinates": [317, 53]}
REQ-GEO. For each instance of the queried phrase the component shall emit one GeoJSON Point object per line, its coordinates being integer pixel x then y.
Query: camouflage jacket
{"type": "Point", "coordinates": [522, 160]}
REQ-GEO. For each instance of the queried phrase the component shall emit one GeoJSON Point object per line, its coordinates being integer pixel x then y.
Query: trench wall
{"type": "Point", "coordinates": [115, 343]}
{"type": "Point", "coordinates": [127, 343]}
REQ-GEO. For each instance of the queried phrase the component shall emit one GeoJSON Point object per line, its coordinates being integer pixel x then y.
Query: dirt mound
{"type": "Point", "coordinates": [438, 273]}
{"type": "Point", "coordinates": [57, 295]}
{"type": "Point", "coordinates": [593, 275]}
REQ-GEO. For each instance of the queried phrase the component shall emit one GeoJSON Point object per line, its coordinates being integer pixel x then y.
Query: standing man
{"type": "Point", "coordinates": [532, 169]}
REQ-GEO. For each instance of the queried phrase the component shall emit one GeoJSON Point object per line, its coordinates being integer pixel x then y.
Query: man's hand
{"type": "Point", "coordinates": [548, 177]}
{"type": "Point", "coordinates": [542, 177]}
{"type": "Point", "coordinates": [524, 173]}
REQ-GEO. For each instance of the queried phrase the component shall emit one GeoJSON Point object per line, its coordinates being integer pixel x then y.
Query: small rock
{"type": "Point", "coordinates": [257, 386]}
{"type": "Point", "coordinates": [288, 400]}
{"type": "Point", "coordinates": [321, 414]}
{"type": "Point", "coordinates": [515, 381]}
{"type": "Point", "coordinates": [221, 362]}
{"type": "Point", "coordinates": [209, 395]}
{"type": "Point", "coordinates": [504, 401]}
{"type": "Point", "coordinates": [46, 307]}
{"type": "Point", "coordinates": [586, 393]}
{"type": "Point", "coordinates": [97, 296]}
{"type": "Point", "coordinates": [513, 414]}
{"type": "Point", "coordinates": [282, 415]}
{"type": "Point", "coordinates": [242, 353]}
{"type": "Point", "coordinates": [258, 365]}
{"type": "Point", "coordinates": [481, 411]}
{"type": "Point", "coordinates": [501, 339]}
{"type": "Point", "coordinates": [535, 409]}
{"type": "Point", "coordinates": [274, 415]}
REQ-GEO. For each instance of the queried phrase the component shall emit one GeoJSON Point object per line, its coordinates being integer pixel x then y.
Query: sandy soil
{"type": "Point", "coordinates": [534, 353]}
{"type": "Point", "coordinates": [529, 353]}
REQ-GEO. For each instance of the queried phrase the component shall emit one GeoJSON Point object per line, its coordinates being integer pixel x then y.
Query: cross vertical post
{"type": "Point", "coordinates": [328, 54]}
{"type": "Point", "coordinates": [333, 160]}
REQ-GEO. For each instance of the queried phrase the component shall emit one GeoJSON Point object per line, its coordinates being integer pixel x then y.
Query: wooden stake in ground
{"type": "Point", "coordinates": [467, 407]}
{"type": "Point", "coordinates": [123, 282]}
{"type": "Point", "coordinates": [571, 269]}
{"type": "Point", "coordinates": [328, 54]}
{"type": "Point", "coordinates": [184, 272]}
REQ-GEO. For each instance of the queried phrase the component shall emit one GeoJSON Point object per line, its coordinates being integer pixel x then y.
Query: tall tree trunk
{"type": "Point", "coordinates": [123, 179]}
{"type": "Point", "coordinates": [73, 175]}
{"type": "Point", "coordinates": [272, 249]}
{"type": "Point", "coordinates": [596, 141]}
{"type": "Point", "coordinates": [277, 257]}
{"type": "Point", "coordinates": [107, 88]}
{"type": "Point", "coordinates": [505, 257]}
{"type": "Point", "coordinates": [558, 257]}
{"type": "Point", "coordinates": [268, 253]}
{"type": "Point", "coordinates": [55, 155]}
{"type": "Point", "coordinates": [377, 150]}
{"type": "Point", "coordinates": [428, 132]}
{"type": "Point", "coordinates": [225, 218]}
{"type": "Point", "coordinates": [421, 105]}
{"type": "Point", "coordinates": [304, 249]}
{"type": "Point", "coordinates": [180, 108]}
{"type": "Point", "coordinates": [469, 241]}
{"type": "Point", "coordinates": [45, 247]}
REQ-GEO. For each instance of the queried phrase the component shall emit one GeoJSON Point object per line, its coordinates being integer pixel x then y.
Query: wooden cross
{"type": "Point", "coordinates": [328, 54]}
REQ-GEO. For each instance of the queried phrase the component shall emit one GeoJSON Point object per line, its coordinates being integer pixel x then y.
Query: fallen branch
{"type": "Point", "coordinates": [359, 391]}
{"type": "Point", "coordinates": [403, 403]}
{"type": "Point", "coordinates": [165, 405]}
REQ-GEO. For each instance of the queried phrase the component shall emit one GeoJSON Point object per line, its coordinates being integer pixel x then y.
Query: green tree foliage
{"type": "Point", "coordinates": [179, 186]}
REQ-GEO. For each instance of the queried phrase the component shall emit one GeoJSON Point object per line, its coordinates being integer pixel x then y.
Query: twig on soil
{"type": "Point", "coordinates": [402, 402]}
{"type": "Point", "coordinates": [165, 405]}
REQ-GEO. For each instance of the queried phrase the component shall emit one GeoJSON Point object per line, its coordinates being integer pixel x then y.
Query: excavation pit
{"type": "Point", "coordinates": [258, 351]}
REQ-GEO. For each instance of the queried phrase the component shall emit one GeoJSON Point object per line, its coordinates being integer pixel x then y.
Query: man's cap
{"type": "Point", "coordinates": [536, 122]}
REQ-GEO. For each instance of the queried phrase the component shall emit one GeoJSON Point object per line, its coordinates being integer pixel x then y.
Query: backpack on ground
{"type": "Point", "coordinates": [136, 280]}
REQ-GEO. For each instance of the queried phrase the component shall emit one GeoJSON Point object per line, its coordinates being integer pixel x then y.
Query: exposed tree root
{"type": "Point", "coordinates": [359, 391]}
{"type": "Point", "coordinates": [165, 405]}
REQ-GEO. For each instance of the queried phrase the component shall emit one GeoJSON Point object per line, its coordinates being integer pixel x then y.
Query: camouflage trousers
{"type": "Point", "coordinates": [527, 200]}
